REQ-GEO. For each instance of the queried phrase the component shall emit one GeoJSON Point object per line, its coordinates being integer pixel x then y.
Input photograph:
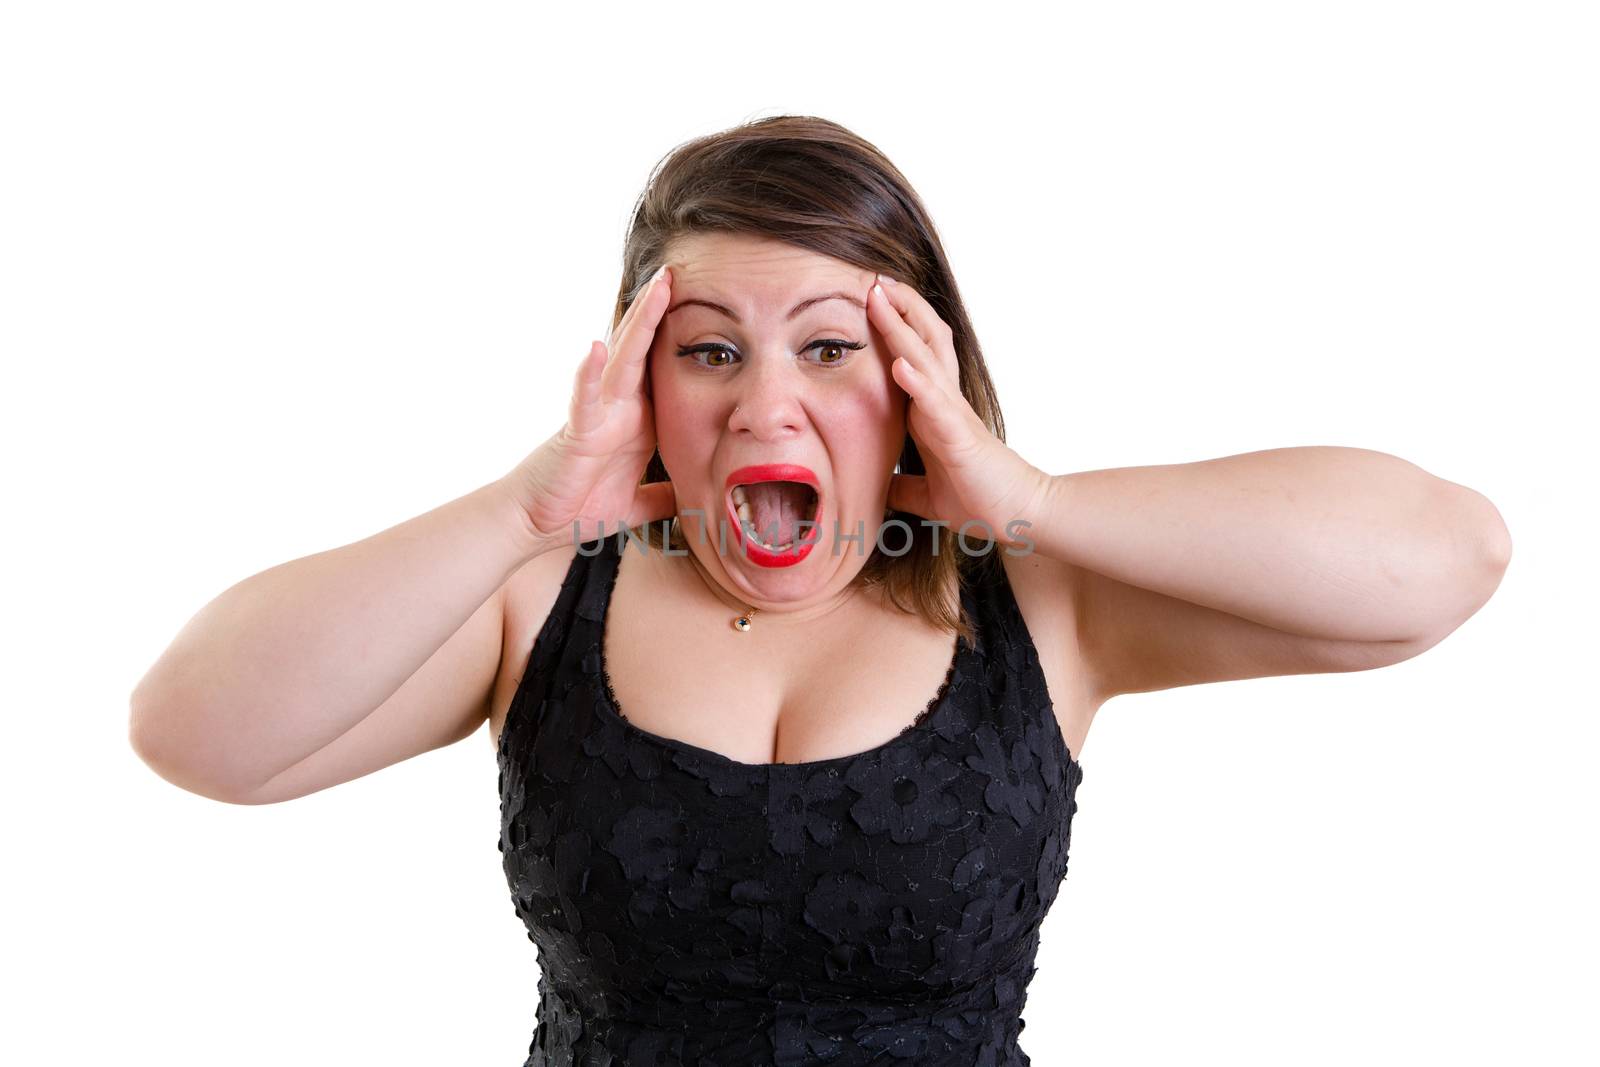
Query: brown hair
{"type": "Point", "coordinates": [814, 184]}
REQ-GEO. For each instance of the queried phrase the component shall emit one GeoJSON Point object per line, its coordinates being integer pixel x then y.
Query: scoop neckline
{"type": "Point", "coordinates": [611, 707]}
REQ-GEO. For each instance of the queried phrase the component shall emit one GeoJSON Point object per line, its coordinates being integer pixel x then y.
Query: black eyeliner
{"type": "Point", "coordinates": [825, 342]}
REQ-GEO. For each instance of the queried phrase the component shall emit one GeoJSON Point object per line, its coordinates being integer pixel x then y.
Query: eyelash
{"type": "Point", "coordinates": [827, 342]}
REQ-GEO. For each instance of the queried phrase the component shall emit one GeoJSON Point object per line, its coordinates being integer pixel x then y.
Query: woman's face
{"type": "Point", "coordinates": [752, 380]}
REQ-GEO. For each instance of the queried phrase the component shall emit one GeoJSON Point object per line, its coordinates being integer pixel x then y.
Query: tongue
{"type": "Point", "coordinates": [776, 508]}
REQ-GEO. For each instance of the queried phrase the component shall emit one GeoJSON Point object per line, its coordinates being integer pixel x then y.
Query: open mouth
{"type": "Point", "coordinates": [769, 503]}
{"type": "Point", "coordinates": [771, 512]}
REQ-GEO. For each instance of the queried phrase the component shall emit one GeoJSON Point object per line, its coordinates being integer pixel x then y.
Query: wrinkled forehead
{"type": "Point", "coordinates": [760, 276]}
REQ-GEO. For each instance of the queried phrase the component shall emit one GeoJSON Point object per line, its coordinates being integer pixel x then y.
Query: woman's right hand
{"type": "Point", "coordinates": [588, 472]}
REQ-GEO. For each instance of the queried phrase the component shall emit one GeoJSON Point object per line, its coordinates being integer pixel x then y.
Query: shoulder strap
{"type": "Point", "coordinates": [597, 561]}
{"type": "Point", "coordinates": [1006, 631]}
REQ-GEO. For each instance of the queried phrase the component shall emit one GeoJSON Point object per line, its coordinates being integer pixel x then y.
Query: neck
{"type": "Point", "coordinates": [771, 612]}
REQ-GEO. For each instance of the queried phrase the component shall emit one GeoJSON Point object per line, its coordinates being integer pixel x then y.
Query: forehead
{"type": "Point", "coordinates": [757, 268]}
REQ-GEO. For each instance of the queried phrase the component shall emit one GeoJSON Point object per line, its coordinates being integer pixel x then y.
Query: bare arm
{"type": "Point", "coordinates": [281, 665]}
{"type": "Point", "coordinates": [329, 667]}
{"type": "Point", "coordinates": [1285, 561]}
{"type": "Point", "coordinates": [1331, 542]}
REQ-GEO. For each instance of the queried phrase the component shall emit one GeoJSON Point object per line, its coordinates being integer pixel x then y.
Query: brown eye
{"type": "Point", "coordinates": [709, 351]}
{"type": "Point", "coordinates": [832, 352]}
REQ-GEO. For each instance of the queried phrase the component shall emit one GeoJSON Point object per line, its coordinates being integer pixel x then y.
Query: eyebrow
{"type": "Point", "coordinates": [797, 309]}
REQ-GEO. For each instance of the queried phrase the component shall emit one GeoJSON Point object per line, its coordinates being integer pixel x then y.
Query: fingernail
{"type": "Point", "coordinates": [886, 278]}
{"type": "Point", "coordinates": [659, 274]}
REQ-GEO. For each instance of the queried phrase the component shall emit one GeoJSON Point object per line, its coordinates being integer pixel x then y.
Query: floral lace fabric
{"type": "Point", "coordinates": [690, 909]}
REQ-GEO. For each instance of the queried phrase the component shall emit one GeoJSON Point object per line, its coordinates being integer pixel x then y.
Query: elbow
{"type": "Point", "coordinates": [1496, 540]}
{"type": "Point", "coordinates": [1474, 529]}
{"type": "Point", "coordinates": [1477, 580]}
{"type": "Point", "coordinates": [143, 735]}
{"type": "Point", "coordinates": [1492, 540]}
{"type": "Point", "coordinates": [159, 745]}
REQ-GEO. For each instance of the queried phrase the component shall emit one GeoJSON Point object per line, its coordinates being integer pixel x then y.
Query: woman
{"type": "Point", "coordinates": [735, 822]}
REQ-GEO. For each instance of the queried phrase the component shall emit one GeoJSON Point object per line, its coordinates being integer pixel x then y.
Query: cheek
{"type": "Point", "coordinates": [671, 379]}
{"type": "Point", "coordinates": [681, 429]}
{"type": "Point", "coordinates": [664, 386]}
{"type": "Point", "coordinates": [867, 420]}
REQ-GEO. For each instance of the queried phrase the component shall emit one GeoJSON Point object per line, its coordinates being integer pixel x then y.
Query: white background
{"type": "Point", "coordinates": [278, 276]}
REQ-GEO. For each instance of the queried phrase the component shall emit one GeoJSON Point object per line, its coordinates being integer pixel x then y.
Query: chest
{"type": "Point", "coordinates": [792, 695]}
{"type": "Point", "coordinates": [824, 691]}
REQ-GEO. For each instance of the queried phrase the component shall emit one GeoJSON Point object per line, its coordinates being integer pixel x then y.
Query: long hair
{"type": "Point", "coordinates": [816, 185]}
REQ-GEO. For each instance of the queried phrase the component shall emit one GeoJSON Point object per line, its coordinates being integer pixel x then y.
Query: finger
{"type": "Point", "coordinates": [950, 432]}
{"type": "Point", "coordinates": [584, 412]}
{"type": "Point", "coordinates": [626, 369]}
{"type": "Point", "coordinates": [933, 330]}
{"type": "Point", "coordinates": [903, 339]}
{"type": "Point", "coordinates": [631, 312]}
{"type": "Point", "coordinates": [913, 377]}
{"type": "Point", "coordinates": [629, 316]}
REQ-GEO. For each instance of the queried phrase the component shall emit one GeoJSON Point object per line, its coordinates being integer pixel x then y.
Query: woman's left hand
{"type": "Point", "coordinates": [972, 476]}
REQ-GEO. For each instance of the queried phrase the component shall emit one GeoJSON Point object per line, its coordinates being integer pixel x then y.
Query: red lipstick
{"type": "Point", "coordinates": [774, 472]}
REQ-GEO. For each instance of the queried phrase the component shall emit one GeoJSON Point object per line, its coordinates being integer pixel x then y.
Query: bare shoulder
{"type": "Point", "coordinates": [530, 594]}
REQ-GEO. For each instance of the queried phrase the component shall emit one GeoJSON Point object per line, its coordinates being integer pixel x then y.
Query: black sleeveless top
{"type": "Point", "coordinates": [690, 909]}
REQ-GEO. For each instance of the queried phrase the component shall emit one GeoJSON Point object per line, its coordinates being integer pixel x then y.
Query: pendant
{"type": "Point", "coordinates": [742, 624]}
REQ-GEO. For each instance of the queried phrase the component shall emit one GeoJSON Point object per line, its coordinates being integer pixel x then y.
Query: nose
{"type": "Point", "coordinates": [769, 399]}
